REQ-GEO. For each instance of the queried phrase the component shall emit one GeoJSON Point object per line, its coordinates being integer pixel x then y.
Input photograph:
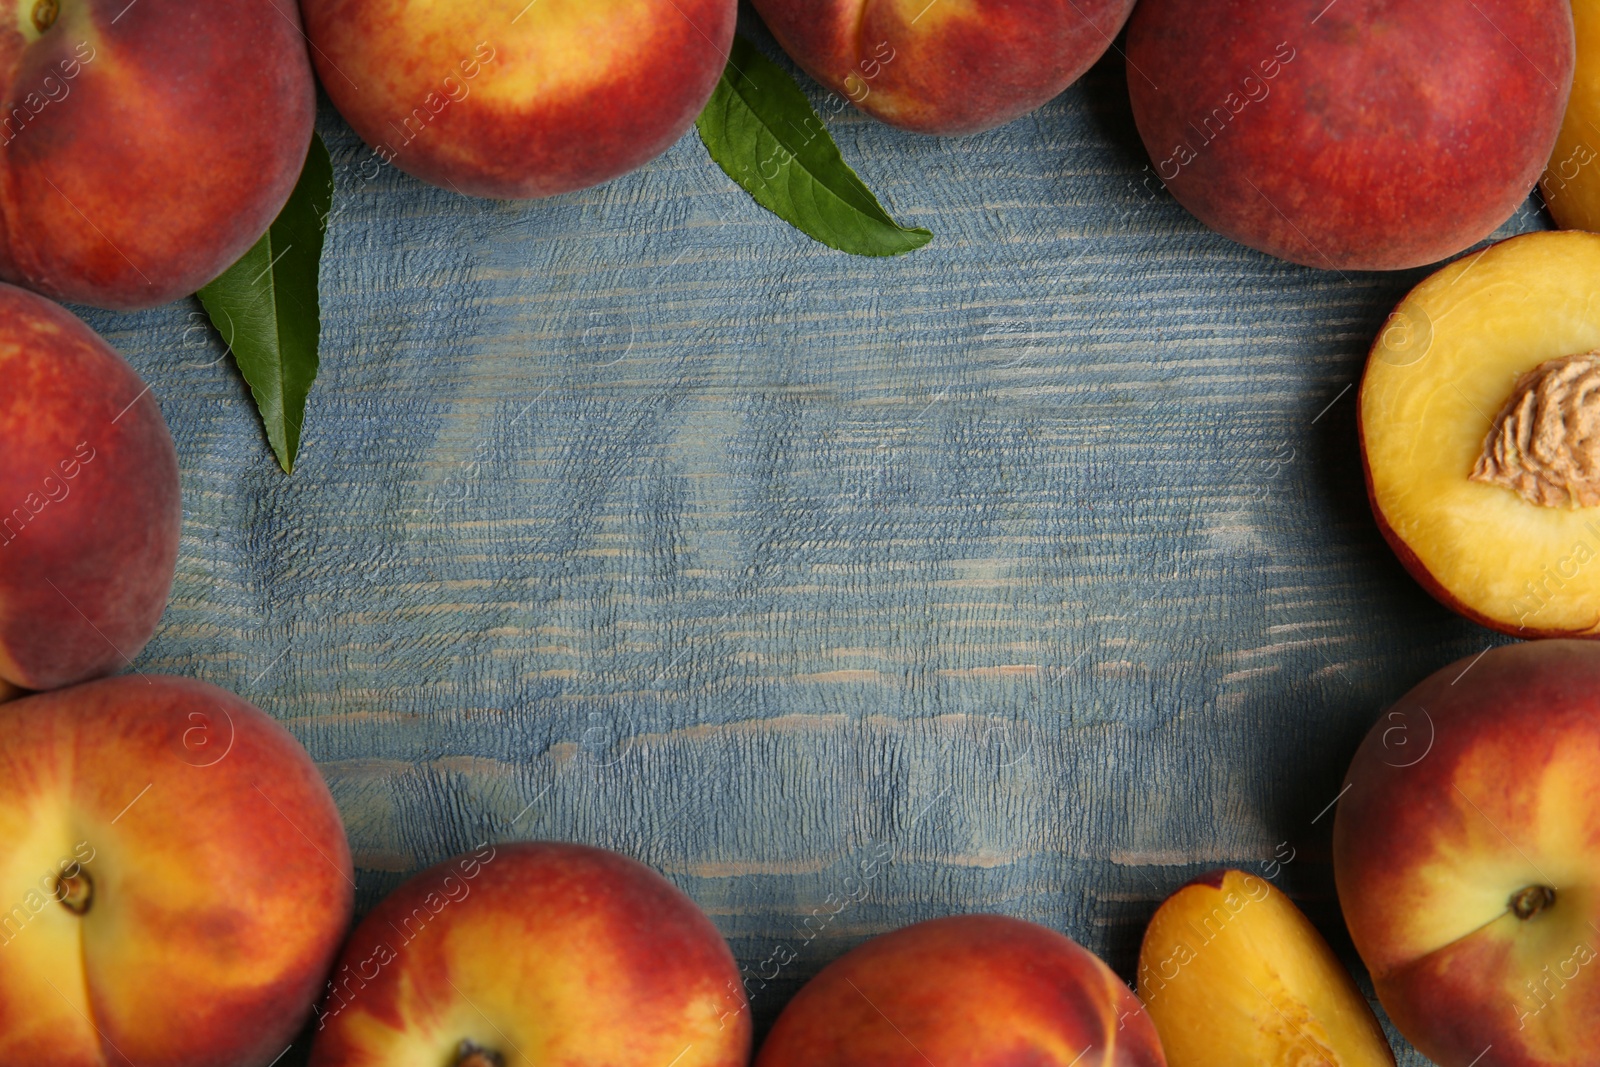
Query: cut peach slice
{"type": "Point", "coordinates": [1480, 434]}
{"type": "Point", "coordinates": [1571, 182]}
{"type": "Point", "coordinates": [1231, 972]}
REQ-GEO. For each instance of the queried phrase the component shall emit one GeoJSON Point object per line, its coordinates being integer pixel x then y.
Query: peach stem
{"type": "Point", "coordinates": [470, 1055]}
{"type": "Point", "coordinates": [75, 892]}
{"type": "Point", "coordinates": [1531, 900]}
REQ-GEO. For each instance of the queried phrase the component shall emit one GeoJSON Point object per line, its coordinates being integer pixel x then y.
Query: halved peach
{"type": "Point", "coordinates": [1480, 434]}
{"type": "Point", "coordinates": [1231, 972]}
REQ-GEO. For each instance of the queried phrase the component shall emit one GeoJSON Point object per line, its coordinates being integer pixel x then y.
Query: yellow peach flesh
{"type": "Point", "coordinates": [1234, 973]}
{"type": "Point", "coordinates": [1444, 365]}
{"type": "Point", "coordinates": [1571, 182]}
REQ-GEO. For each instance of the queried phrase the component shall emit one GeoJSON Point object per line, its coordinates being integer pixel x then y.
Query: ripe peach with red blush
{"type": "Point", "coordinates": [174, 878]}
{"type": "Point", "coordinates": [506, 98]}
{"type": "Point", "coordinates": [978, 990]}
{"type": "Point", "coordinates": [145, 146]}
{"type": "Point", "coordinates": [1357, 135]}
{"type": "Point", "coordinates": [1464, 852]}
{"type": "Point", "coordinates": [535, 953]}
{"type": "Point", "coordinates": [89, 500]}
{"type": "Point", "coordinates": [945, 68]}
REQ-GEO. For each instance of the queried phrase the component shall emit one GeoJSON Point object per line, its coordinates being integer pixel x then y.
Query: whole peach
{"type": "Point", "coordinates": [1465, 852]}
{"type": "Point", "coordinates": [973, 990]}
{"type": "Point", "coordinates": [946, 66]}
{"type": "Point", "coordinates": [89, 502]}
{"type": "Point", "coordinates": [1356, 134]}
{"type": "Point", "coordinates": [174, 878]}
{"type": "Point", "coordinates": [145, 146]}
{"type": "Point", "coordinates": [519, 98]}
{"type": "Point", "coordinates": [535, 953]}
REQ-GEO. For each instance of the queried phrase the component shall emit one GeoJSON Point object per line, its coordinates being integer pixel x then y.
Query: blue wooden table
{"type": "Point", "coordinates": [1037, 561]}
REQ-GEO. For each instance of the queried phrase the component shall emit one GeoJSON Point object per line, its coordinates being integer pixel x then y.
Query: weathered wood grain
{"type": "Point", "coordinates": [1038, 557]}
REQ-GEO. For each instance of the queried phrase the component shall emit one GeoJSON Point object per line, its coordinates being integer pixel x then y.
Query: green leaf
{"type": "Point", "coordinates": [265, 306]}
{"type": "Point", "coordinates": [761, 130]}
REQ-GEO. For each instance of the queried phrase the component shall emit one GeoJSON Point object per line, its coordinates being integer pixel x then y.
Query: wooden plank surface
{"type": "Point", "coordinates": [1037, 560]}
